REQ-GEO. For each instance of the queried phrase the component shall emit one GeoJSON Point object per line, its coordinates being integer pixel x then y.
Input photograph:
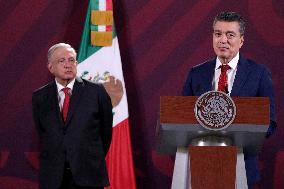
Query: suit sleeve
{"type": "Point", "coordinates": [187, 87]}
{"type": "Point", "coordinates": [35, 112]}
{"type": "Point", "coordinates": [106, 117]}
{"type": "Point", "coordinates": [266, 89]}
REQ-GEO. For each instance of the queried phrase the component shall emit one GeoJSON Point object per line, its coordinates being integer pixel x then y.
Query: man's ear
{"type": "Point", "coordinates": [242, 40]}
{"type": "Point", "coordinates": [49, 67]}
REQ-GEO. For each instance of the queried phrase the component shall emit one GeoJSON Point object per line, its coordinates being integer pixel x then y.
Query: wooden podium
{"type": "Point", "coordinates": [210, 167]}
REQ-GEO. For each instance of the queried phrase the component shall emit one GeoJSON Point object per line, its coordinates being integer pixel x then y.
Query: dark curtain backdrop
{"type": "Point", "coordinates": [159, 42]}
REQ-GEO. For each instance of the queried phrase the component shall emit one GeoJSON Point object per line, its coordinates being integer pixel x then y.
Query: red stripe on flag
{"type": "Point", "coordinates": [119, 159]}
{"type": "Point", "coordinates": [109, 28]}
{"type": "Point", "coordinates": [108, 4]}
{"type": "Point", "coordinates": [109, 7]}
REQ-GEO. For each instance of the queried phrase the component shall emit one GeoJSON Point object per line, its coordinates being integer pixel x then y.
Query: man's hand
{"type": "Point", "coordinates": [114, 89]}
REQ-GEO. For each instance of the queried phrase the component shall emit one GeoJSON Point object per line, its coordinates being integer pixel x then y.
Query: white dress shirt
{"type": "Point", "coordinates": [60, 92]}
{"type": "Point", "coordinates": [231, 73]}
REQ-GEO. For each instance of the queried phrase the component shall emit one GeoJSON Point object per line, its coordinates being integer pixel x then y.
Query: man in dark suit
{"type": "Point", "coordinates": [243, 78]}
{"type": "Point", "coordinates": [73, 118]}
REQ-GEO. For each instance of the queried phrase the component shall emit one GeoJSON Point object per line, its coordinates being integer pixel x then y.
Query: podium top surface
{"type": "Point", "coordinates": [180, 110]}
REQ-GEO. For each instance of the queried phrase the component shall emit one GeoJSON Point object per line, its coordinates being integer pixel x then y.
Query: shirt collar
{"type": "Point", "coordinates": [60, 87]}
{"type": "Point", "coordinates": [233, 63]}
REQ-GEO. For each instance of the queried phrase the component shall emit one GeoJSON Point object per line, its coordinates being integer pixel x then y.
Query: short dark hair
{"type": "Point", "coordinates": [231, 17]}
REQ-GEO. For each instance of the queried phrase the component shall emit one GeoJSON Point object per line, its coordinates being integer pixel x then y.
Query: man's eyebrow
{"type": "Point", "coordinates": [230, 32]}
{"type": "Point", "coordinates": [226, 32]}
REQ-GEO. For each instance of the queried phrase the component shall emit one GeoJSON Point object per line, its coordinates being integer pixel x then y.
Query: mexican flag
{"type": "Point", "coordinates": [99, 61]}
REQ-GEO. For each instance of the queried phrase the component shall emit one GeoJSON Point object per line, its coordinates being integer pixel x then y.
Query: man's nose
{"type": "Point", "coordinates": [223, 38]}
{"type": "Point", "coordinates": [67, 65]}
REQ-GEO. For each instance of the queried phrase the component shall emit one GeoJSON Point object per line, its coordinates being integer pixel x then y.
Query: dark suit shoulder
{"type": "Point", "coordinates": [43, 89]}
{"type": "Point", "coordinates": [91, 84]}
{"type": "Point", "coordinates": [256, 65]}
{"type": "Point", "coordinates": [204, 65]}
{"type": "Point", "coordinates": [94, 88]}
{"type": "Point", "coordinates": [97, 89]}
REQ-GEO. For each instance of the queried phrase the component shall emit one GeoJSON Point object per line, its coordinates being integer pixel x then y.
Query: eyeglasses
{"type": "Point", "coordinates": [63, 61]}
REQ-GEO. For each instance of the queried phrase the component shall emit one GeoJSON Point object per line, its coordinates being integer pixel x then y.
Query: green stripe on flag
{"type": "Point", "coordinates": [98, 68]}
{"type": "Point", "coordinates": [86, 49]}
{"type": "Point", "coordinates": [94, 27]}
{"type": "Point", "coordinates": [95, 4]}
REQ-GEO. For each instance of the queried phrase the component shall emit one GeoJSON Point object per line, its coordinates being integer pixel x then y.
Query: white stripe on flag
{"type": "Point", "coordinates": [101, 28]}
{"type": "Point", "coordinates": [97, 64]}
{"type": "Point", "coordinates": [102, 5]}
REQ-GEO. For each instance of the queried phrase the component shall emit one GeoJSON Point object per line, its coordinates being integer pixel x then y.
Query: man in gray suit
{"type": "Point", "coordinates": [73, 118]}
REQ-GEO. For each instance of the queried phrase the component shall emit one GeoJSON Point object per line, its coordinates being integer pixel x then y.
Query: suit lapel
{"type": "Point", "coordinates": [206, 78]}
{"type": "Point", "coordinates": [75, 98]}
{"type": "Point", "coordinates": [53, 102]}
{"type": "Point", "coordinates": [243, 70]}
{"type": "Point", "coordinates": [209, 77]}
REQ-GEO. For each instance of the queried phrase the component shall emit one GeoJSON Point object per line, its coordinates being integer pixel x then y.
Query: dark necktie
{"type": "Point", "coordinates": [65, 103]}
{"type": "Point", "coordinates": [223, 79]}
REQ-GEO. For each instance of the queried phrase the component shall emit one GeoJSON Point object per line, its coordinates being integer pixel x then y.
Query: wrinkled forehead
{"type": "Point", "coordinates": [58, 49]}
{"type": "Point", "coordinates": [223, 26]}
{"type": "Point", "coordinates": [63, 52]}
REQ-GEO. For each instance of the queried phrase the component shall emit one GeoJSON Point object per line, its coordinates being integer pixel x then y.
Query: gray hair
{"type": "Point", "coordinates": [57, 46]}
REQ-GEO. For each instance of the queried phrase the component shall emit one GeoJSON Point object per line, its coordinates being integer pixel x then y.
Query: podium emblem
{"type": "Point", "coordinates": [215, 110]}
